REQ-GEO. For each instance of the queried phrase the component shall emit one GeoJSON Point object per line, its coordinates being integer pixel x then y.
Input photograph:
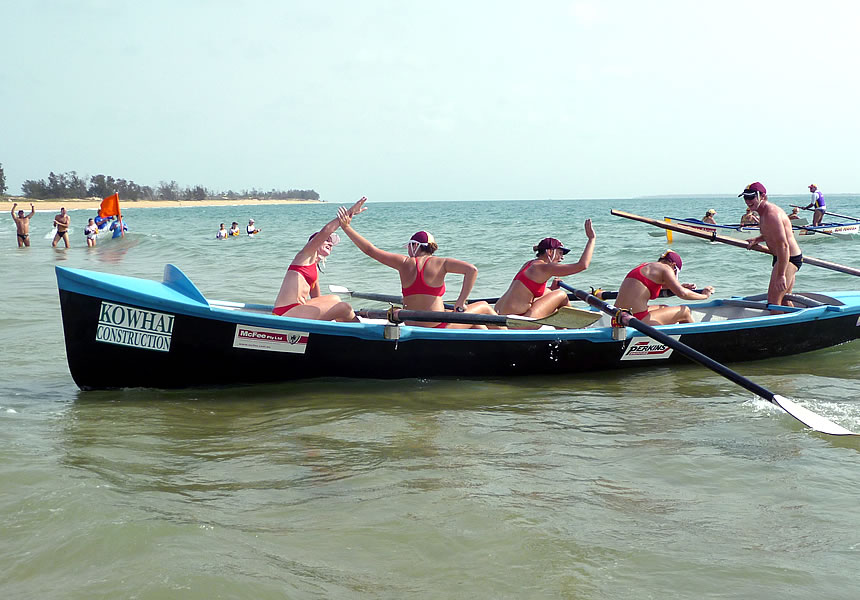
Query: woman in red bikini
{"type": "Point", "coordinates": [645, 282]}
{"type": "Point", "coordinates": [299, 295]}
{"type": "Point", "coordinates": [528, 294]}
{"type": "Point", "coordinates": [422, 275]}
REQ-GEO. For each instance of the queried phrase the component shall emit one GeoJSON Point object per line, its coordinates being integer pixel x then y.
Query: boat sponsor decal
{"type": "Point", "coordinates": [273, 340]}
{"type": "Point", "coordinates": [645, 348]}
{"type": "Point", "coordinates": [134, 327]}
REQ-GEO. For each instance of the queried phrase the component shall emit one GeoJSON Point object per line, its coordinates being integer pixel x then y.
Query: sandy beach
{"type": "Point", "coordinates": [93, 204]}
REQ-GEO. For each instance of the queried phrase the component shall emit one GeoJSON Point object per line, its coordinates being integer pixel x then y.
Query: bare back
{"type": "Point", "coordinates": [433, 272]}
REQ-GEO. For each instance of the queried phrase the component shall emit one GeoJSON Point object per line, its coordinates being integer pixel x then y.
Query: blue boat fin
{"type": "Point", "coordinates": [178, 281]}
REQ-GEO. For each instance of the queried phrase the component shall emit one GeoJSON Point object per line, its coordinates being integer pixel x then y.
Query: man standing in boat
{"type": "Point", "coordinates": [818, 202]}
{"type": "Point", "coordinates": [776, 232]}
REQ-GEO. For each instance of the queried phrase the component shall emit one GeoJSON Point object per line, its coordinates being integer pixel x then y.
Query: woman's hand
{"type": "Point", "coordinates": [344, 216]}
{"type": "Point", "coordinates": [555, 284]}
{"type": "Point", "coordinates": [358, 207]}
{"type": "Point", "coordinates": [589, 230]}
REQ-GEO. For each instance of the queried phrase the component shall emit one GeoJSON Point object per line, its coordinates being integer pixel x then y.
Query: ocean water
{"type": "Point", "coordinates": [661, 483]}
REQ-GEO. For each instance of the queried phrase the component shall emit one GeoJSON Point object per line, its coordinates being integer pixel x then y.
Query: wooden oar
{"type": "Point", "coordinates": [564, 318]}
{"type": "Point", "coordinates": [732, 241]}
{"type": "Point", "coordinates": [804, 415]}
{"type": "Point", "coordinates": [827, 213]}
{"type": "Point", "coordinates": [390, 298]}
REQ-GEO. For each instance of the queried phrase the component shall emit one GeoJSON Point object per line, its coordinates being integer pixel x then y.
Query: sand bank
{"type": "Point", "coordinates": [89, 204]}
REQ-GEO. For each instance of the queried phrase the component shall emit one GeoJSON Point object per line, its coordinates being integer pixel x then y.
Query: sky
{"type": "Point", "coordinates": [447, 100]}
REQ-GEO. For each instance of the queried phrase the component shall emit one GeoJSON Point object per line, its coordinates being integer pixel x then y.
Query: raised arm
{"type": "Point", "coordinates": [559, 270]}
{"type": "Point", "coordinates": [32, 211]}
{"type": "Point", "coordinates": [14, 218]}
{"type": "Point", "coordinates": [389, 259]}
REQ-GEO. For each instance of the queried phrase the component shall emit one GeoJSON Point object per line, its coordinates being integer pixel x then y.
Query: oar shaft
{"type": "Point", "coordinates": [605, 294]}
{"type": "Point", "coordinates": [732, 241]}
{"type": "Point", "coordinates": [684, 349]}
{"type": "Point", "coordinates": [399, 315]}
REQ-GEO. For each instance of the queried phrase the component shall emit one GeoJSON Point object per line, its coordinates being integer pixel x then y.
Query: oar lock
{"type": "Point", "coordinates": [392, 331]}
{"type": "Point", "coordinates": [619, 329]}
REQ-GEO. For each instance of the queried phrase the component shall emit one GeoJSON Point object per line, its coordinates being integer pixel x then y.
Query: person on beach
{"type": "Point", "coordinates": [422, 275]}
{"type": "Point", "coordinates": [645, 282]}
{"type": "Point", "coordinates": [92, 233]}
{"type": "Point", "coordinates": [750, 218]}
{"type": "Point", "coordinates": [251, 228]}
{"type": "Point", "coordinates": [22, 225]}
{"type": "Point", "coordinates": [776, 232]}
{"type": "Point", "coordinates": [299, 295]}
{"type": "Point", "coordinates": [234, 229]}
{"type": "Point", "coordinates": [818, 202]}
{"type": "Point", "coordinates": [527, 295]}
{"type": "Point", "coordinates": [222, 233]}
{"type": "Point", "coordinates": [709, 217]}
{"type": "Point", "coordinates": [61, 222]}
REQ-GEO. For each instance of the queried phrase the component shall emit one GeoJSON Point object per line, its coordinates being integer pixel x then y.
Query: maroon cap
{"type": "Point", "coordinates": [551, 244]}
{"type": "Point", "coordinates": [673, 257]}
{"type": "Point", "coordinates": [751, 189]}
{"type": "Point", "coordinates": [423, 237]}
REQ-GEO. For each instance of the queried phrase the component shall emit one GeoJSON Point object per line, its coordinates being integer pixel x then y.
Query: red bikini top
{"type": "Point", "coordinates": [536, 288]}
{"type": "Point", "coordinates": [309, 272]}
{"type": "Point", "coordinates": [419, 286]}
{"type": "Point", "coordinates": [653, 287]}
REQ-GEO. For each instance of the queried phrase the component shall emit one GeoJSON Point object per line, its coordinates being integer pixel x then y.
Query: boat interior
{"type": "Point", "coordinates": [711, 311]}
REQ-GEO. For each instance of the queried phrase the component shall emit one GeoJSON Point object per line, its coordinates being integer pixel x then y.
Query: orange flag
{"type": "Point", "coordinates": [109, 206]}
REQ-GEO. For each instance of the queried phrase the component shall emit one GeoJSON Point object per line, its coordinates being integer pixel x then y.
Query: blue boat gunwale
{"type": "Point", "coordinates": [178, 294]}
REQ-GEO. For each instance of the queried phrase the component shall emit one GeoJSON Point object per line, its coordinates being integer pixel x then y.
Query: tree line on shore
{"type": "Point", "coordinates": [70, 185]}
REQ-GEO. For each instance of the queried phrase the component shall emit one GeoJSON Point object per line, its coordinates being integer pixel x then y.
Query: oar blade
{"type": "Point", "coordinates": [810, 419]}
{"type": "Point", "coordinates": [570, 317]}
{"type": "Point", "coordinates": [339, 289]}
{"type": "Point", "coordinates": [566, 317]}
